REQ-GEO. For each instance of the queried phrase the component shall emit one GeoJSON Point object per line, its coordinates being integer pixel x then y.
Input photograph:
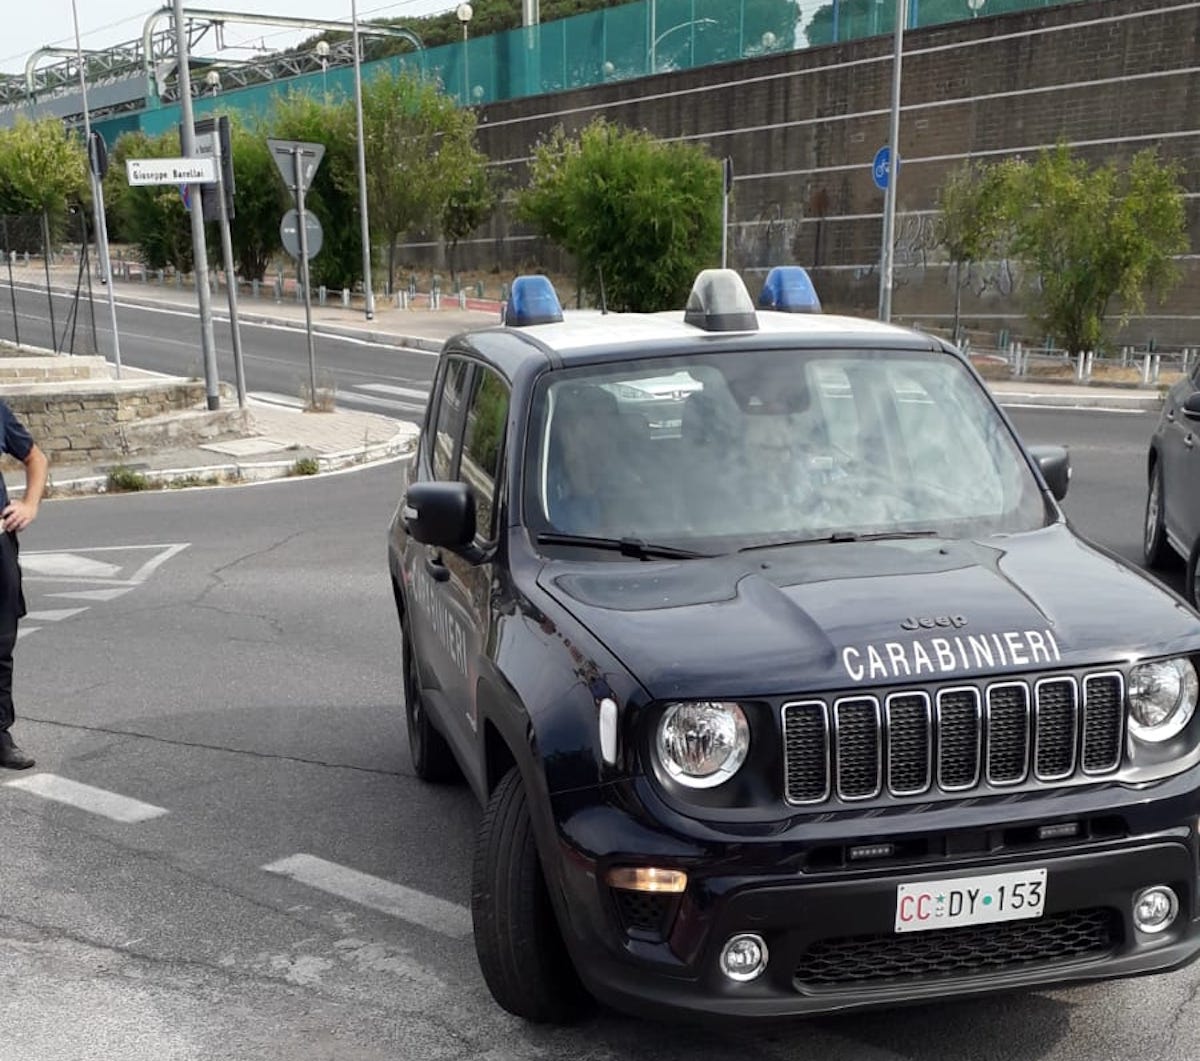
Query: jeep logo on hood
{"type": "Point", "coordinates": [932, 622]}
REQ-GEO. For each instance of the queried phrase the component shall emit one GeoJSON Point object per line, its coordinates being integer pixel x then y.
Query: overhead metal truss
{"type": "Point", "coordinates": [153, 56]}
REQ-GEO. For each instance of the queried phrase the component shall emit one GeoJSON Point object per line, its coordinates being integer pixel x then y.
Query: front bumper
{"type": "Point", "coordinates": [831, 935]}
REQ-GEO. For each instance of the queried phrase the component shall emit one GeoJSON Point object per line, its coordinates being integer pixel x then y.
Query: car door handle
{"type": "Point", "coordinates": [437, 568]}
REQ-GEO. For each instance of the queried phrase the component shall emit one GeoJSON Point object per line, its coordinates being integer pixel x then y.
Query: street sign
{"type": "Point", "coordinates": [289, 233]}
{"type": "Point", "coordinates": [98, 155]}
{"type": "Point", "coordinates": [881, 168]}
{"type": "Point", "coordinates": [207, 131]}
{"type": "Point", "coordinates": [284, 154]}
{"type": "Point", "coordinates": [145, 171]}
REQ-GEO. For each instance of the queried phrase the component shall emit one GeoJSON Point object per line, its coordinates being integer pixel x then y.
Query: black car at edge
{"type": "Point", "coordinates": [784, 681]}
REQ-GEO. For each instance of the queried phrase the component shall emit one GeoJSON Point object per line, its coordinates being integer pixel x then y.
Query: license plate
{"type": "Point", "coordinates": [934, 904]}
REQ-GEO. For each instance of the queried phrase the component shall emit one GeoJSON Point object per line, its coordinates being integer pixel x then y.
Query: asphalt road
{"type": "Point", "coordinates": [245, 690]}
{"type": "Point", "coordinates": [367, 376]}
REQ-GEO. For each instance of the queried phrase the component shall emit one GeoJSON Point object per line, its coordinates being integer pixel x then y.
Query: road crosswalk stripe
{"type": "Point", "coordinates": [53, 615]}
{"type": "Point", "coordinates": [386, 896]}
{"type": "Point", "coordinates": [84, 797]}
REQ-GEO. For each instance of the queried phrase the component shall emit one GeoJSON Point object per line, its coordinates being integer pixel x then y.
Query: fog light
{"type": "Point", "coordinates": [744, 958]}
{"type": "Point", "coordinates": [1154, 909]}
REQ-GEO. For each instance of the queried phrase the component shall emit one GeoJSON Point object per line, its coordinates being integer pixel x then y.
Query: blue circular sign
{"type": "Point", "coordinates": [881, 168]}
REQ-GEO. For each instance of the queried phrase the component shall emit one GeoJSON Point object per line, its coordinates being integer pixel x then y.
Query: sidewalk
{"type": "Point", "coordinates": [285, 441]}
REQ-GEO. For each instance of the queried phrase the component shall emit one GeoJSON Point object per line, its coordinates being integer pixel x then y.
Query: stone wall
{"type": "Point", "coordinates": [1108, 77]}
{"type": "Point", "coordinates": [107, 420]}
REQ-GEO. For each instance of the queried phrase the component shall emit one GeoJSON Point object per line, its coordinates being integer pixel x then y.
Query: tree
{"type": "Point", "coordinates": [641, 217]}
{"type": "Point", "coordinates": [468, 206]}
{"type": "Point", "coordinates": [260, 200]}
{"type": "Point", "coordinates": [333, 196]}
{"type": "Point", "coordinates": [152, 218]}
{"type": "Point", "coordinates": [42, 170]}
{"type": "Point", "coordinates": [420, 148]}
{"type": "Point", "coordinates": [972, 220]}
{"type": "Point", "coordinates": [1092, 236]}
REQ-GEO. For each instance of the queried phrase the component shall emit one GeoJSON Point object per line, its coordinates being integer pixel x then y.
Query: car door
{"type": "Point", "coordinates": [1180, 458]}
{"type": "Point", "coordinates": [437, 633]}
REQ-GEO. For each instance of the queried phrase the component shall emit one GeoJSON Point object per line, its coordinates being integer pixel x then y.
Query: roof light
{"type": "Point", "coordinates": [789, 289]}
{"type": "Point", "coordinates": [533, 301]}
{"type": "Point", "coordinates": [719, 302]}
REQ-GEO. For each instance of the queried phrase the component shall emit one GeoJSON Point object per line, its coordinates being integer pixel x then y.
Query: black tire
{"type": "Point", "coordinates": [517, 939]}
{"type": "Point", "coordinates": [1155, 548]}
{"type": "Point", "coordinates": [432, 758]}
{"type": "Point", "coordinates": [1191, 586]}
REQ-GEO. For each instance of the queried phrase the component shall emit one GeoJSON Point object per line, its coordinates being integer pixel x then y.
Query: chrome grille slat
{"type": "Point", "coordinates": [1009, 732]}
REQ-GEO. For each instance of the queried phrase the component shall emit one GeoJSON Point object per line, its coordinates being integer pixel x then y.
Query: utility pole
{"type": "Point", "coordinates": [368, 291]}
{"type": "Point", "coordinates": [231, 283]}
{"type": "Point", "coordinates": [97, 194]}
{"type": "Point", "coordinates": [199, 242]}
{"type": "Point", "coordinates": [888, 261]}
{"type": "Point", "coordinates": [304, 275]}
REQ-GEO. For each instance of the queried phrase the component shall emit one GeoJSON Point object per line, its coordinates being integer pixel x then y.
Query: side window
{"type": "Point", "coordinates": [483, 445]}
{"type": "Point", "coordinates": [449, 417]}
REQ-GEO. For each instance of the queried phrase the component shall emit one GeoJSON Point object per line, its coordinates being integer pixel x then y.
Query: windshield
{"type": "Point", "coordinates": [750, 447]}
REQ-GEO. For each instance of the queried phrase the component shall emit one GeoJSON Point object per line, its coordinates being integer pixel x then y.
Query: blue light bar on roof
{"type": "Point", "coordinates": [789, 289]}
{"type": "Point", "coordinates": [533, 301]}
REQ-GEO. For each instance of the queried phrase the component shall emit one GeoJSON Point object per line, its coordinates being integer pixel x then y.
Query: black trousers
{"type": "Point", "coordinates": [12, 607]}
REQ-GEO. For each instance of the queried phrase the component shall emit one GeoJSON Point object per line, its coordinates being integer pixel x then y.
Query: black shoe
{"type": "Point", "coordinates": [11, 756]}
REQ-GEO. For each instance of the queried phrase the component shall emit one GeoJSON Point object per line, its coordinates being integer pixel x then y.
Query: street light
{"type": "Point", "coordinates": [213, 80]}
{"type": "Point", "coordinates": [464, 13]}
{"type": "Point", "coordinates": [368, 291]}
{"type": "Point", "coordinates": [322, 52]}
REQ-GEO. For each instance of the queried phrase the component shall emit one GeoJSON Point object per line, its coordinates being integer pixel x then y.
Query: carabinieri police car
{"type": "Point", "coordinates": [784, 681]}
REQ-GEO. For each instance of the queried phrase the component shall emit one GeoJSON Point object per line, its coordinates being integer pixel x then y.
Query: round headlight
{"type": "Point", "coordinates": [1162, 698]}
{"type": "Point", "coordinates": [703, 744]}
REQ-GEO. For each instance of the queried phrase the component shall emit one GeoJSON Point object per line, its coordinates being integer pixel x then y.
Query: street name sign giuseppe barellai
{"type": "Point", "coordinates": [145, 171]}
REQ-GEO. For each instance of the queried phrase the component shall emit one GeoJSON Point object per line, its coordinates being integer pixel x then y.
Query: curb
{"type": "Point", "coordinates": [1151, 402]}
{"type": "Point", "coordinates": [399, 447]}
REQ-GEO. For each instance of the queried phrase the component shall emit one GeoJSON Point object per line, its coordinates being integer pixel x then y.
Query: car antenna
{"type": "Point", "coordinates": [603, 300]}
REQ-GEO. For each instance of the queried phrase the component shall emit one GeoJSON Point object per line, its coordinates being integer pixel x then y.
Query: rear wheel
{"type": "Point", "coordinates": [520, 948]}
{"type": "Point", "coordinates": [432, 758]}
{"type": "Point", "coordinates": [1154, 542]}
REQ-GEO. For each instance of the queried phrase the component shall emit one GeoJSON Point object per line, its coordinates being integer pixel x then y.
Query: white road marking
{"type": "Point", "coordinates": [67, 565]}
{"type": "Point", "coordinates": [387, 388]}
{"type": "Point", "coordinates": [387, 897]}
{"type": "Point", "coordinates": [94, 594]}
{"type": "Point", "coordinates": [93, 800]}
{"type": "Point", "coordinates": [381, 403]}
{"type": "Point", "coordinates": [25, 631]}
{"type": "Point", "coordinates": [53, 615]}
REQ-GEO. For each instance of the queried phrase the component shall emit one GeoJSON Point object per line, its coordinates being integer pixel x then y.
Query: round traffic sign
{"type": "Point", "coordinates": [881, 167]}
{"type": "Point", "coordinates": [289, 233]}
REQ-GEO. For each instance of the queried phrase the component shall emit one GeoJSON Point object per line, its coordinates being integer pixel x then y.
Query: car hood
{"type": "Point", "coordinates": [842, 615]}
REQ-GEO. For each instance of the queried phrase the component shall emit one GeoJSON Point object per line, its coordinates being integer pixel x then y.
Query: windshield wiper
{"type": "Point", "coordinates": [632, 547]}
{"type": "Point", "coordinates": [843, 536]}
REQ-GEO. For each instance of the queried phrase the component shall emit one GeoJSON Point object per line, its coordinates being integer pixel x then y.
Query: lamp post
{"type": "Point", "coordinates": [368, 291]}
{"type": "Point", "coordinates": [322, 50]}
{"type": "Point", "coordinates": [464, 13]}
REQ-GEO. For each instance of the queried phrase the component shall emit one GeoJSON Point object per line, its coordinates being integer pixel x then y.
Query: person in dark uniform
{"type": "Point", "coordinates": [14, 516]}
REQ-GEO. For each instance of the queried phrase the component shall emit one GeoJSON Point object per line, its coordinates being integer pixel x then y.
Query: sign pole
{"type": "Point", "coordinates": [12, 291]}
{"type": "Point", "coordinates": [888, 262]}
{"type": "Point", "coordinates": [727, 187]}
{"type": "Point", "coordinates": [231, 286]}
{"type": "Point", "coordinates": [303, 226]}
{"type": "Point", "coordinates": [199, 242]}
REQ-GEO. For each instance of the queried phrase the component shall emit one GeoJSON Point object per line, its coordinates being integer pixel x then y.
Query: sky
{"type": "Point", "coordinates": [28, 26]}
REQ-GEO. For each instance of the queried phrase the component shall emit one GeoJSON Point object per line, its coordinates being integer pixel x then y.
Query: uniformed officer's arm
{"type": "Point", "coordinates": [17, 515]}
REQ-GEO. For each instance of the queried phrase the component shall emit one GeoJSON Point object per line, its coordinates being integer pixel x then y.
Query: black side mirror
{"type": "Point", "coordinates": [440, 513]}
{"type": "Point", "coordinates": [1191, 407]}
{"type": "Point", "coordinates": [1055, 465]}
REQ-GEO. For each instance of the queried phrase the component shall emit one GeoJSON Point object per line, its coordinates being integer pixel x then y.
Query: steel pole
{"type": "Point", "coordinates": [97, 198]}
{"type": "Point", "coordinates": [887, 263]}
{"type": "Point", "coordinates": [231, 286]}
{"type": "Point", "coordinates": [199, 240]}
{"type": "Point", "coordinates": [12, 291]}
{"type": "Point", "coordinates": [303, 224]}
{"type": "Point", "coordinates": [368, 291]}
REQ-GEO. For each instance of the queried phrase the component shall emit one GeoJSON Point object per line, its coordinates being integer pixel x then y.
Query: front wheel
{"type": "Point", "coordinates": [1154, 542]}
{"type": "Point", "coordinates": [517, 939]}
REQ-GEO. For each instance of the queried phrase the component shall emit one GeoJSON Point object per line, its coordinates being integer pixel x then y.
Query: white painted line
{"type": "Point", "coordinates": [93, 800]}
{"type": "Point", "coordinates": [67, 565]}
{"type": "Point", "coordinates": [25, 631]}
{"type": "Point", "coordinates": [94, 594]}
{"type": "Point", "coordinates": [53, 615]}
{"type": "Point", "coordinates": [150, 566]}
{"type": "Point", "coordinates": [388, 388]}
{"type": "Point", "coordinates": [387, 897]}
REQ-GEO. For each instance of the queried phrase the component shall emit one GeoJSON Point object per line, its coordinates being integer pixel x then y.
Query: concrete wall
{"type": "Point", "coordinates": [1108, 77]}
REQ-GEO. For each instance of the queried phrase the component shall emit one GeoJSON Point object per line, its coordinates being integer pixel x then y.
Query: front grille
{"type": "Point", "coordinates": [1005, 733]}
{"type": "Point", "coordinates": [959, 952]}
